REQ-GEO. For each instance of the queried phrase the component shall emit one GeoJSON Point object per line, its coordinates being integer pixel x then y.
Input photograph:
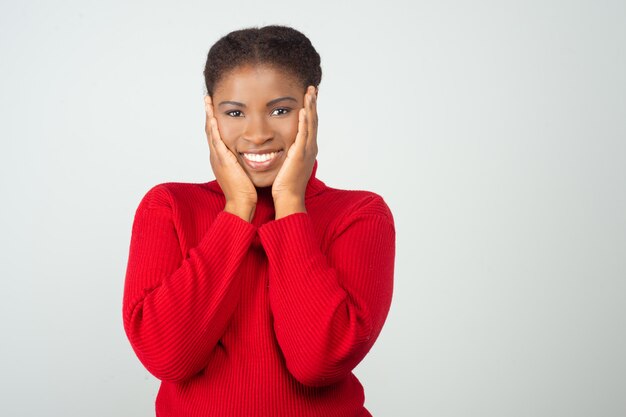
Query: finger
{"type": "Point", "coordinates": [215, 137]}
{"type": "Point", "coordinates": [308, 119]}
{"type": "Point", "coordinates": [293, 148]}
{"type": "Point", "coordinates": [209, 105]}
{"type": "Point", "coordinates": [221, 149]}
{"type": "Point", "coordinates": [301, 137]}
{"type": "Point", "coordinates": [208, 129]}
{"type": "Point", "coordinates": [313, 106]}
{"type": "Point", "coordinates": [207, 113]}
{"type": "Point", "coordinates": [312, 115]}
{"type": "Point", "coordinates": [207, 123]}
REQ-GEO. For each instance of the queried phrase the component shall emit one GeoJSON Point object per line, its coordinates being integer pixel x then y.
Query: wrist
{"type": "Point", "coordinates": [245, 211]}
{"type": "Point", "coordinates": [289, 206]}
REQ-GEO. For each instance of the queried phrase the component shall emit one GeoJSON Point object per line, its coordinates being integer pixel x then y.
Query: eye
{"type": "Point", "coordinates": [234, 113]}
{"type": "Point", "coordinates": [282, 111]}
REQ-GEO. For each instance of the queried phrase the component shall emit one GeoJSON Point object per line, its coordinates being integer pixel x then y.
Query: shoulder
{"type": "Point", "coordinates": [171, 194]}
{"type": "Point", "coordinates": [352, 204]}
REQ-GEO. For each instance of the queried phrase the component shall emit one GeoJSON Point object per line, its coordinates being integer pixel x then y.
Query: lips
{"type": "Point", "coordinates": [261, 151]}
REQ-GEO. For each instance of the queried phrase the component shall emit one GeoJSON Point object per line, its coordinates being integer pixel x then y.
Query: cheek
{"type": "Point", "coordinates": [289, 130]}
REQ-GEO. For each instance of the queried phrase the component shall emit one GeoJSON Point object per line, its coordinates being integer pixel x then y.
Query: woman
{"type": "Point", "coordinates": [257, 294]}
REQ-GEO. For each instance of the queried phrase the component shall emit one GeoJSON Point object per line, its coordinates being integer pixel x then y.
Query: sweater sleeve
{"type": "Point", "coordinates": [329, 308]}
{"type": "Point", "coordinates": [174, 309]}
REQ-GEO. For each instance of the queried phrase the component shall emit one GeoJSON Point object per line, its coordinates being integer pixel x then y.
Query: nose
{"type": "Point", "coordinates": [257, 130]}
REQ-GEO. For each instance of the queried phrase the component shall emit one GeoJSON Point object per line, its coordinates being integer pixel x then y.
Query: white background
{"type": "Point", "coordinates": [495, 131]}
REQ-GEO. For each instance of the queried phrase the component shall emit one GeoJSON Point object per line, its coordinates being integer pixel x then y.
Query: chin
{"type": "Point", "coordinates": [263, 182]}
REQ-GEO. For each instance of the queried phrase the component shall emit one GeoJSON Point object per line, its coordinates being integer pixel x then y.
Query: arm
{"type": "Point", "coordinates": [174, 309]}
{"type": "Point", "coordinates": [329, 308]}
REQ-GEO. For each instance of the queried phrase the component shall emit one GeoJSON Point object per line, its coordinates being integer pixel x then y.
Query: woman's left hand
{"type": "Point", "coordinates": [290, 183]}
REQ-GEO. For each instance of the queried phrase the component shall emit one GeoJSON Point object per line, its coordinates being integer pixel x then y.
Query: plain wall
{"type": "Point", "coordinates": [494, 130]}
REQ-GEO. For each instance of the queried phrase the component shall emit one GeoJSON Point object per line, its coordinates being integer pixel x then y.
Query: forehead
{"type": "Point", "coordinates": [257, 80]}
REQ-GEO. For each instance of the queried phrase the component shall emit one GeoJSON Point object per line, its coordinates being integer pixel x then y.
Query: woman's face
{"type": "Point", "coordinates": [256, 108]}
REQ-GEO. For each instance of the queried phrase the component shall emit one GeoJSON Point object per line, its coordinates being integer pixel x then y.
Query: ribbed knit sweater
{"type": "Point", "coordinates": [266, 318]}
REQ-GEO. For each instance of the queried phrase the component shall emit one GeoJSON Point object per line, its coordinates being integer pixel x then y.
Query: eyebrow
{"type": "Point", "coordinates": [269, 103]}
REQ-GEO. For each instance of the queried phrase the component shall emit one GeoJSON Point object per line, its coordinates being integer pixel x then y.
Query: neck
{"type": "Point", "coordinates": [265, 194]}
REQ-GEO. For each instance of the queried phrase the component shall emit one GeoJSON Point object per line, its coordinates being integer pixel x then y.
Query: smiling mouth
{"type": "Point", "coordinates": [261, 161]}
{"type": "Point", "coordinates": [256, 157]}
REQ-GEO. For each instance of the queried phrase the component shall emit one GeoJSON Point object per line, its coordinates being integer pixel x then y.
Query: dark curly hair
{"type": "Point", "coordinates": [280, 46]}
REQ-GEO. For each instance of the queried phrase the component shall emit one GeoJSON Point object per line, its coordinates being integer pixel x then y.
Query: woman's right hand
{"type": "Point", "coordinates": [241, 196]}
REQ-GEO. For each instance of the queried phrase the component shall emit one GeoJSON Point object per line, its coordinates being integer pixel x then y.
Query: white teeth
{"type": "Point", "coordinates": [259, 157]}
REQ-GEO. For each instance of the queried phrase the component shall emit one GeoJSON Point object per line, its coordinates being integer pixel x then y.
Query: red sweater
{"type": "Point", "coordinates": [260, 319]}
